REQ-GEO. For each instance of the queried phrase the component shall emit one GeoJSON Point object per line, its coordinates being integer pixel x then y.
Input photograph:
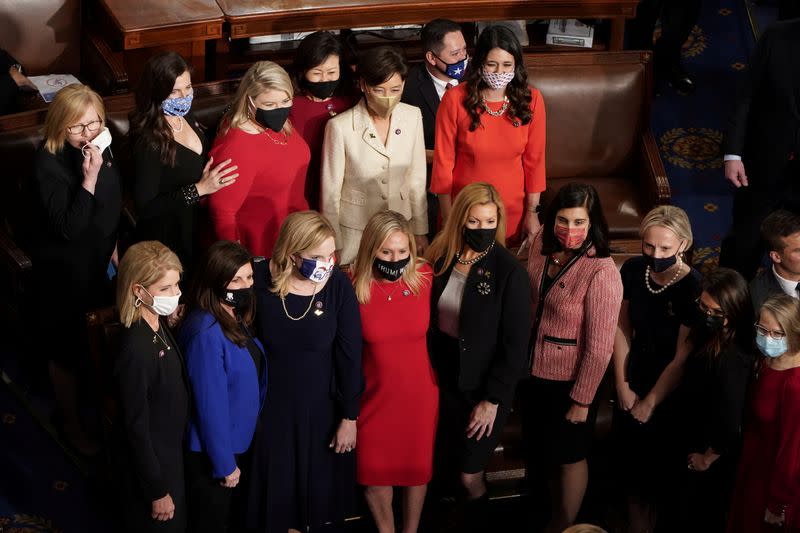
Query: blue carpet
{"type": "Point", "coordinates": [689, 129]}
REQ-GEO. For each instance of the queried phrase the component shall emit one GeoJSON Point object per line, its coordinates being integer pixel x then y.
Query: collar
{"type": "Point", "coordinates": [440, 85]}
{"type": "Point", "coordinates": [787, 286]}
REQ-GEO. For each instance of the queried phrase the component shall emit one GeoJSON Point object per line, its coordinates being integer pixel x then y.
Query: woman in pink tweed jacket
{"type": "Point", "coordinates": [576, 297]}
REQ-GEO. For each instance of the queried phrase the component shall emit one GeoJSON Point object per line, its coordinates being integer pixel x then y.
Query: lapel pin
{"type": "Point", "coordinates": [484, 288]}
{"type": "Point", "coordinates": [406, 292]}
{"type": "Point", "coordinates": [397, 131]}
{"type": "Point", "coordinates": [371, 135]}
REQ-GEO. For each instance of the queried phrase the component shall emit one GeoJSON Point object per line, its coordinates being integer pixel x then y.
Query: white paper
{"type": "Point", "coordinates": [49, 85]}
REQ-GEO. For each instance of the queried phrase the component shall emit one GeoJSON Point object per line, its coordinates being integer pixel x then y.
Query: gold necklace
{"type": "Point", "coordinates": [179, 128]}
{"type": "Point", "coordinates": [276, 141]}
{"type": "Point", "coordinates": [310, 304]}
{"type": "Point", "coordinates": [388, 296]}
{"type": "Point", "coordinates": [476, 258]}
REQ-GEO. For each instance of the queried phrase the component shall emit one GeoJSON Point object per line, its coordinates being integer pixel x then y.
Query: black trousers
{"type": "Point", "coordinates": [212, 507]}
{"type": "Point", "coordinates": [678, 17]}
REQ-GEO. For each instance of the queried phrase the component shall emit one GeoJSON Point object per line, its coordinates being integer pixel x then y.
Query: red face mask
{"type": "Point", "coordinates": [570, 239]}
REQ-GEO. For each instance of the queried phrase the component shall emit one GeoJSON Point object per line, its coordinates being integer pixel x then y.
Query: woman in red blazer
{"type": "Point", "coordinates": [577, 293]}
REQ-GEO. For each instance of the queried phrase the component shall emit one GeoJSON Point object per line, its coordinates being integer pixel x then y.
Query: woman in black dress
{"type": "Point", "coordinates": [307, 317]}
{"type": "Point", "coordinates": [153, 392]}
{"type": "Point", "coordinates": [170, 152]}
{"type": "Point", "coordinates": [711, 401]}
{"type": "Point", "coordinates": [480, 326]}
{"type": "Point", "coordinates": [650, 349]}
{"type": "Point", "coordinates": [76, 202]}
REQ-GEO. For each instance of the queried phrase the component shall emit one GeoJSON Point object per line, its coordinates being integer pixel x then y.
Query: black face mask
{"type": "Point", "coordinates": [236, 298]}
{"type": "Point", "coordinates": [320, 89]}
{"type": "Point", "coordinates": [708, 323]}
{"type": "Point", "coordinates": [391, 270]}
{"type": "Point", "coordinates": [273, 119]}
{"type": "Point", "coordinates": [661, 264]}
{"type": "Point", "coordinates": [479, 239]}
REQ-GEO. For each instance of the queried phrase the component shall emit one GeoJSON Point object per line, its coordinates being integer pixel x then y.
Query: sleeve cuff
{"type": "Point", "coordinates": [731, 157]}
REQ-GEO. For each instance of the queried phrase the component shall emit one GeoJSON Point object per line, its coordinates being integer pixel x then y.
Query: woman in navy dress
{"type": "Point", "coordinates": [308, 320]}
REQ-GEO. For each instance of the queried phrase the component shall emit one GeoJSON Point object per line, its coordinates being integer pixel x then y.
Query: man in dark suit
{"type": "Point", "coordinates": [781, 232]}
{"type": "Point", "coordinates": [762, 145]}
{"type": "Point", "coordinates": [443, 65]}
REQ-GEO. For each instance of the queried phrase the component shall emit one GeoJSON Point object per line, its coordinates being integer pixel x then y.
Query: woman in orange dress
{"type": "Point", "coordinates": [492, 129]}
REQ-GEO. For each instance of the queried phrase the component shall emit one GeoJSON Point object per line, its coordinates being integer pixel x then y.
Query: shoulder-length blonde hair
{"type": "Point", "coordinates": [786, 311]}
{"type": "Point", "coordinates": [262, 76]}
{"type": "Point", "coordinates": [300, 231]}
{"type": "Point", "coordinates": [451, 239]}
{"type": "Point", "coordinates": [66, 109]}
{"type": "Point", "coordinates": [377, 230]}
{"type": "Point", "coordinates": [143, 264]}
{"type": "Point", "coordinates": [673, 218]}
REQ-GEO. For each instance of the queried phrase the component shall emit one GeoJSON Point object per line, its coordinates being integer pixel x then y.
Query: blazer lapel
{"type": "Point", "coordinates": [427, 90]}
{"type": "Point", "coordinates": [362, 123]}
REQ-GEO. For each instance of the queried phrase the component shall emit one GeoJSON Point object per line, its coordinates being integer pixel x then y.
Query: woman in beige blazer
{"type": "Point", "coordinates": [373, 156]}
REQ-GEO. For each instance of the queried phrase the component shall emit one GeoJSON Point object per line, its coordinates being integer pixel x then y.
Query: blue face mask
{"type": "Point", "coordinates": [316, 271]}
{"type": "Point", "coordinates": [454, 70]}
{"type": "Point", "coordinates": [177, 107]}
{"type": "Point", "coordinates": [771, 347]}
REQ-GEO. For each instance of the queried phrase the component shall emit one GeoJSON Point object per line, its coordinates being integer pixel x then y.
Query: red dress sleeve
{"type": "Point", "coordinates": [784, 488]}
{"type": "Point", "coordinates": [533, 157]}
{"type": "Point", "coordinates": [444, 157]}
{"type": "Point", "coordinates": [224, 204]}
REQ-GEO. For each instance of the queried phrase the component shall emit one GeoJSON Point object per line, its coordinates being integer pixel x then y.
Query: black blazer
{"type": "Point", "coordinates": [494, 325]}
{"type": "Point", "coordinates": [762, 287]}
{"type": "Point", "coordinates": [419, 91]}
{"type": "Point", "coordinates": [764, 127]}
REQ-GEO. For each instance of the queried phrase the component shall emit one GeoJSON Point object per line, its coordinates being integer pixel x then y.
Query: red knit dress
{"type": "Point", "coordinates": [399, 408]}
{"type": "Point", "coordinates": [270, 186]}
{"type": "Point", "coordinates": [769, 467]}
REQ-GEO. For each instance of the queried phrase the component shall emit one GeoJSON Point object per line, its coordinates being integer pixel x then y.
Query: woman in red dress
{"type": "Point", "coordinates": [320, 96]}
{"type": "Point", "coordinates": [767, 495]}
{"type": "Point", "coordinates": [399, 409]}
{"type": "Point", "coordinates": [272, 161]}
{"type": "Point", "coordinates": [491, 128]}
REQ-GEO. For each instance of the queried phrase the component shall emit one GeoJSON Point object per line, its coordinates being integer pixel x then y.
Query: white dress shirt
{"type": "Point", "coordinates": [441, 85]}
{"type": "Point", "coordinates": [788, 286]}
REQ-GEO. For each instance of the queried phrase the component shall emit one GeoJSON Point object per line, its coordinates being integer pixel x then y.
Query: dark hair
{"type": "Point", "coordinates": [149, 128]}
{"type": "Point", "coordinates": [729, 289]}
{"type": "Point", "coordinates": [778, 225]}
{"type": "Point", "coordinates": [220, 264]}
{"type": "Point", "coordinates": [576, 195]}
{"type": "Point", "coordinates": [377, 65]}
{"type": "Point", "coordinates": [433, 33]}
{"type": "Point", "coordinates": [518, 92]}
{"type": "Point", "coordinates": [313, 50]}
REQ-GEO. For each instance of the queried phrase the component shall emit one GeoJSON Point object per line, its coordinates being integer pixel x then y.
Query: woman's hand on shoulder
{"type": "Point", "coordinates": [214, 179]}
{"type": "Point", "coordinates": [422, 244]}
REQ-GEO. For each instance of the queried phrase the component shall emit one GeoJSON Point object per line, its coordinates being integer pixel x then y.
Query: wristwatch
{"type": "Point", "coordinates": [18, 67]}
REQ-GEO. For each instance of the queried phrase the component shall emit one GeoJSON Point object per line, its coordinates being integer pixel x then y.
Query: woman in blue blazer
{"type": "Point", "coordinates": [228, 373]}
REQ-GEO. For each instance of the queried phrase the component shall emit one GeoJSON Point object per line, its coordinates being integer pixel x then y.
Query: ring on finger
{"type": "Point", "coordinates": [222, 181]}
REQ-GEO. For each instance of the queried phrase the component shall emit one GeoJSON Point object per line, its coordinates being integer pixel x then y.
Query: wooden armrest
{"type": "Point", "coordinates": [103, 68]}
{"type": "Point", "coordinates": [13, 255]}
{"type": "Point", "coordinates": [653, 176]}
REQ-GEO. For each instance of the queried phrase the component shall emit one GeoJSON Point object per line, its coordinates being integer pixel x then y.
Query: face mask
{"type": "Point", "coordinates": [163, 305]}
{"type": "Point", "coordinates": [320, 89]}
{"type": "Point", "coordinates": [497, 80]}
{"type": "Point", "coordinates": [708, 323]}
{"type": "Point", "coordinates": [316, 271]}
{"type": "Point", "coordinates": [660, 264]}
{"type": "Point", "coordinates": [102, 141]}
{"type": "Point", "coordinates": [453, 70]}
{"type": "Point", "coordinates": [391, 270]}
{"type": "Point", "coordinates": [236, 298]}
{"type": "Point", "coordinates": [177, 107]}
{"type": "Point", "coordinates": [570, 239]}
{"type": "Point", "coordinates": [382, 105]}
{"type": "Point", "coordinates": [771, 347]}
{"type": "Point", "coordinates": [479, 239]}
{"type": "Point", "coordinates": [273, 119]}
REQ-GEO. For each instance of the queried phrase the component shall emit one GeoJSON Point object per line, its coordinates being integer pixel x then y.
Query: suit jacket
{"type": "Point", "coordinates": [419, 91]}
{"type": "Point", "coordinates": [227, 391]}
{"type": "Point", "coordinates": [764, 127]}
{"type": "Point", "coordinates": [762, 287]}
{"type": "Point", "coordinates": [361, 176]}
{"type": "Point", "coordinates": [494, 325]}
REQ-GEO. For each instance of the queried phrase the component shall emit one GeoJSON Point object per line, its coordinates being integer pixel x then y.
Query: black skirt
{"type": "Point", "coordinates": [550, 439]}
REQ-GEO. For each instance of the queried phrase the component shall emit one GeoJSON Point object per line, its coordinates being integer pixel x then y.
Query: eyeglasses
{"type": "Point", "coordinates": [761, 330]}
{"type": "Point", "coordinates": [77, 129]}
{"type": "Point", "coordinates": [708, 310]}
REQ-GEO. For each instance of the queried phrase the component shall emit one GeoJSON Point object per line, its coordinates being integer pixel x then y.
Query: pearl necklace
{"type": "Point", "coordinates": [498, 112]}
{"type": "Point", "coordinates": [476, 258]}
{"type": "Point", "coordinates": [310, 304]}
{"type": "Point", "coordinates": [670, 282]}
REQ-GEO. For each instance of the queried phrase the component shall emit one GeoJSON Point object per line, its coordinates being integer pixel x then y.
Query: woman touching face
{"type": "Point", "coordinates": [85, 129]}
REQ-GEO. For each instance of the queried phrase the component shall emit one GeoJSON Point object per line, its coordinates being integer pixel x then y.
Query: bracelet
{"type": "Point", "coordinates": [190, 194]}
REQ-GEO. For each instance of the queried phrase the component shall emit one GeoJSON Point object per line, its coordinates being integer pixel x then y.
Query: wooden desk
{"type": "Point", "coordinates": [250, 18]}
{"type": "Point", "coordinates": [141, 27]}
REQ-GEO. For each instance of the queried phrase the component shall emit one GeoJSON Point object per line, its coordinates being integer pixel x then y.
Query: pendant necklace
{"type": "Point", "coordinates": [388, 295]}
{"type": "Point", "coordinates": [310, 304]}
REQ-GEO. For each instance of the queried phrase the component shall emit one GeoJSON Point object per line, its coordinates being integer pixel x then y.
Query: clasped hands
{"type": "Point", "coordinates": [641, 409]}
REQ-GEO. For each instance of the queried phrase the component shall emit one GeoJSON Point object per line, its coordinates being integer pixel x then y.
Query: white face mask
{"type": "Point", "coordinates": [102, 141]}
{"type": "Point", "coordinates": [163, 305]}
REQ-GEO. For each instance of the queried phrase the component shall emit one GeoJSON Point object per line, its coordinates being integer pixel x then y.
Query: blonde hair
{"type": "Point", "coordinates": [300, 231]}
{"type": "Point", "coordinates": [377, 230]}
{"type": "Point", "coordinates": [143, 264]}
{"type": "Point", "coordinates": [673, 218]}
{"type": "Point", "coordinates": [262, 76]}
{"type": "Point", "coordinates": [451, 239]}
{"type": "Point", "coordinates": [66, 109]}
{"type": "Point", "coordinates": [786, 311]}
{"type": "Point", "coordinates": [584, 528]}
